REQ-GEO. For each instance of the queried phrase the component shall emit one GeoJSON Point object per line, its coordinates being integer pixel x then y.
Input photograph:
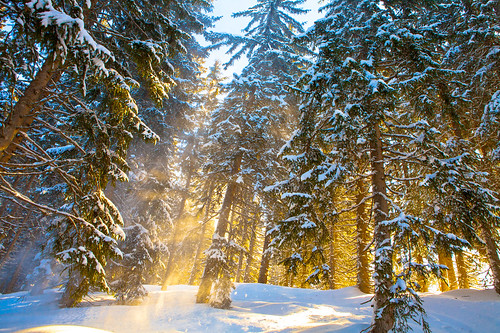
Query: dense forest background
{"type": "Point", "coordinates": [364, 151]}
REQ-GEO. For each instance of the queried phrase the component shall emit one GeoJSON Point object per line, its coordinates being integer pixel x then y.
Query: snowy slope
{"type": "Point", "coordinates": [256, 308]}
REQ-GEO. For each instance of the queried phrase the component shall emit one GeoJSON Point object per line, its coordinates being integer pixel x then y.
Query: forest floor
{"type": "Point", "coordinates": [255, 308]}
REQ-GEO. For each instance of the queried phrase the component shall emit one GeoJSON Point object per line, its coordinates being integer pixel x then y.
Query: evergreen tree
{"type": "Point", "coordinates": [250, 125]}
{"type": "Point", "coordinates": [155, 198]}
{"type": "Point", "coordinates": [75, 113]}
{"type": "Point", "coordinates": [370, 96]}
{"type": "Point", "coordinates": [473, 37]}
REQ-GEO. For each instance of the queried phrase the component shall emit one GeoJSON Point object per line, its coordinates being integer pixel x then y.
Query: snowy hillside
{"type": "Point", "coordinates": [256, 308]}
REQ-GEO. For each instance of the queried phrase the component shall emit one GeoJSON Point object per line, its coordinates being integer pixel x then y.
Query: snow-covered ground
{"type": "Point", "coordinates": [256, 308]}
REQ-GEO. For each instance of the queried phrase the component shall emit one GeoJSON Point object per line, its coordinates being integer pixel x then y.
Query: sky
{"type": "Point", "coordinates": [225, 8]}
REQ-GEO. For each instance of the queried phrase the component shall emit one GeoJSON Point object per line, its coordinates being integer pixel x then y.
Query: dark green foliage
{"type": "Point", "coordinates": [102, 65]}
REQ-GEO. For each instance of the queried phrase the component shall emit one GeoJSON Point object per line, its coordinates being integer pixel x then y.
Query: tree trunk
{"type": "Point", "coordinates": [242, 253]}
{"type": "Point", "coordinates": [363, 239]}
{"type": "Point", "coordinates": [491, 246]}
{"type": "Point", "coordinates": [194, 270]}
{"type": "Point", "coordinates": [173, 250]}
{"type": "Point", "coordinates": [383, 318]}
{"type": "Point", "coordinates": [23, 113]}
{"type": "Point", "coordinates": [452, 276]}
{"type": "Point", "coordinates": [492, 251]}
{"type": "Point", "coordinates": [421, 279]}
{"type": "Point", "coordinates": [463, 279]}
{"type": "Point", "coordinates": [247, 277]}
{"type": "Point", "coordinates": [443, 282]}
{"type": "Point", "coordinates": [264, 262]}
{"type": "Point", "coordinates": [331, 258]}
{"type": "Point", "coordinates": [211, 270]}
{"type": "Point", "coordinates": [240, 266]}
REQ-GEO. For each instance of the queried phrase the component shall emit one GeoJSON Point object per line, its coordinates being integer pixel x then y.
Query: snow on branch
{"type": "Point", "coordinates": [51, 16]}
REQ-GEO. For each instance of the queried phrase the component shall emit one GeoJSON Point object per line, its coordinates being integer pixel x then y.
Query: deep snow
{"type": "Point", "coordinates": [256, 308]}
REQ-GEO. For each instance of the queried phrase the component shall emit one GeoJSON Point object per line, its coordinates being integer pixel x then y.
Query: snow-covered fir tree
{"type": "Point", "coordinates": [473, 38]}
{"type": "Point", "coordinates": [374, 94]}
{"type": "Point", "coordinates": [249, 127]}
{"type": "Point", "coordinates": [74, 114]}
{"type": "Point", "coordinates": [198, 192]}
{"type": "Point", "coordinates": [153, 199]}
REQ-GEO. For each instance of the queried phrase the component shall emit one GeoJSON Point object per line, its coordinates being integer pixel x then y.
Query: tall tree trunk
{"type": "Point", "coordinates": [491, 247]}
{"type": "Point", "coordinates": [23, 113]}
{"type": "Point", "coordinates": [463, 279]}
{"type": "Point", "coordinates": [421, 279]}
{"type": "Point", "coordinates": [291, 280]}
{"type": "Point", "coordinates": [363, 239]}
{"type": "Point", "coordinates": [383, 318]}
{"type": "Point", "coordinates": [492, 251]}
{"type": "Point", "coordinates": [253, 232]}
{"type": "Point", "coordinates": [170, 261]}
{"type": "Point", "coordinates": [211, 270]}
{"type": "Point", "coordinates": [332, 279]}
{"type": "Point", "coordinates": [242, 253]}
{"type": "Point", "coordinates": [452, 276]}
{"type": "Point", "coordinates": [264, 262]}
{"type": "Point", "coordinates": [195, 268]}
{"type": "Point", "coordinates": [443, 283]}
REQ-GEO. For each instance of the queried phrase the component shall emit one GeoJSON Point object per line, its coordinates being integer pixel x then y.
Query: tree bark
{"type": "Point", "coordinates": [242, 253]}
{"type": "Point", "coordinates": [492, 251]}
{"type": "Point", "coordinates": [211, 270]}
{"type": "Point", "coordinates": [23, 113]}
{"type": "Point", "coordinates": [248, 267]}
{"type": "Point", "coordinates": [332, 280]}
{"type": "Point", "coordinates": [383, 318]}
{"type": "Point", "coordinates": [443, 282]}
{"type": "Point", "coordinates": [194, 270]}
{"type": "Point", "coordinates": [264, 262]}
{"type": "Point", "coordinates": [463, 279]}
{"type": "Point", "coordinates": [240, 266]}
{"type": "Point", "coordinates": [421, 279]}
{"type": "Point", "coordinates": [363, 239]}
{"type": "Point", "coordinates": [452, 276]}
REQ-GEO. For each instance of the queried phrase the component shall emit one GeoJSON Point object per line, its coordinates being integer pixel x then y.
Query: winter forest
{"type": "Point", "coordinates": [362, 150]}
